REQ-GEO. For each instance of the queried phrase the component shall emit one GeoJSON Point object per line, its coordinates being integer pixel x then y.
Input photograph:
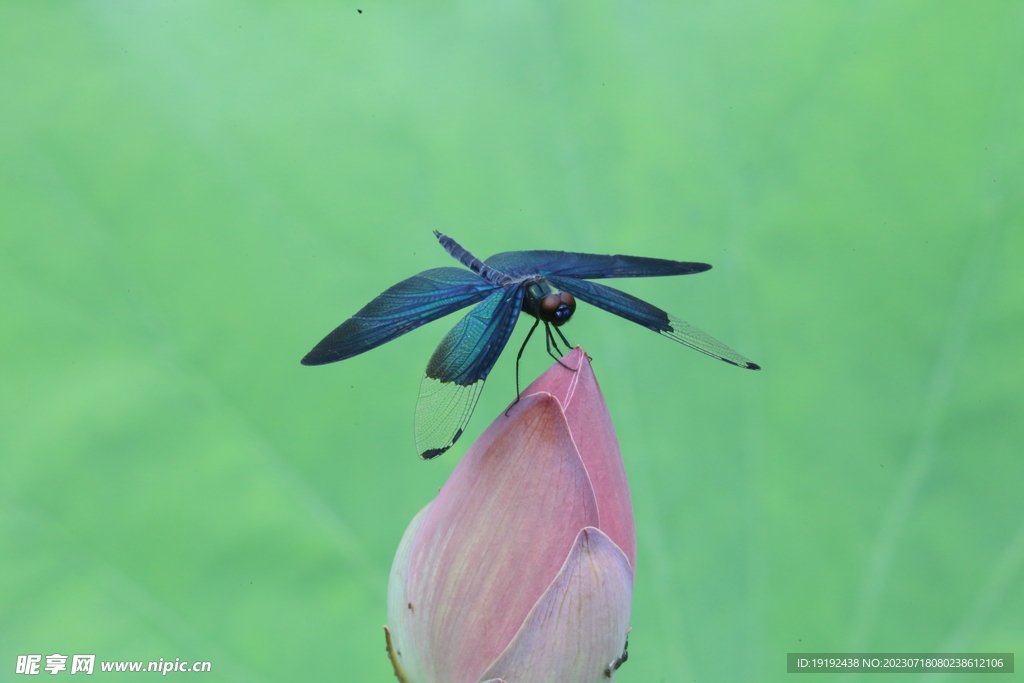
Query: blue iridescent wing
{"type": "Point", "coordinates": [588, 266]}
{"type": "Point", "coordinates": [456, 372]}
{"type": "Point", "coordinates": [651, 317]}
{"type": "Point", "coordinates": [413, 302]}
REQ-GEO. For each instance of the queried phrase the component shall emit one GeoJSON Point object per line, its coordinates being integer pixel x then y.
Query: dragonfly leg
{"type": "Point", "coordinates": [550, 341]}
{"type": "Point", "coordinates": [519, 357]}
{"type": "Point", "coordinates": [568, 346]}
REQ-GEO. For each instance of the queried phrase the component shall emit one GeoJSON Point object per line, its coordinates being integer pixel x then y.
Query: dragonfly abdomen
{"type": "Point", "coordinates": [463, 256]}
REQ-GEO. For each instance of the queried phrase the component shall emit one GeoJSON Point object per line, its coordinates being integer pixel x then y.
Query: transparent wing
{"type": "Point", "coordinates": [518, 264]}
{"type": "Point", "coordinates": [456, 372]}
{"type": "Point", "coordinates": [651, 317]}
{"type": "Point", "coordinates": [404, 307]}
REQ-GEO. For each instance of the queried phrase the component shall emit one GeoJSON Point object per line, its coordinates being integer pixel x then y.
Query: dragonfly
{"type": "Point", "coordinates": [543, 284]}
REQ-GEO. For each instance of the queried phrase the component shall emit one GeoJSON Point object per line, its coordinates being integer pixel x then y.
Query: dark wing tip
{"type": "Point", "coordinates": [747, 365]}
{"type": "Point", "coordinates": [315, 357]}
{"type": "Point", "coordinates": [432, 453]}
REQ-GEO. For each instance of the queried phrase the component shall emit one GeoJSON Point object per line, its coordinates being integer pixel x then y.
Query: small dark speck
{"type": "Point", "coordinates": [360, 11]}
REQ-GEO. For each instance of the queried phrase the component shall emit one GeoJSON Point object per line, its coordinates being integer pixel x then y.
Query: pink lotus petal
{"type": "Point", "coordinates": [399, 609]}
{"type": "Point", "coordinates": [578, 628]}
{"type": "Point", "coordinates": [491, 543]}
{"type": "Point", "coordinates": [592, 430]}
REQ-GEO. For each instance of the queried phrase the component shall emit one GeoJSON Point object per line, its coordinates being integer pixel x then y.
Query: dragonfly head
{"type": "Point", "coordinates": [557, 308]}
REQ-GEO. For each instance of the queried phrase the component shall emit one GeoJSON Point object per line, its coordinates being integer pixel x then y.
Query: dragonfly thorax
{"type": "Point", "coordinates": [547, 305]}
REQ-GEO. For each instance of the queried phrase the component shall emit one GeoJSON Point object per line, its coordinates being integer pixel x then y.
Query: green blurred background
{"type": "Point", "coordinates": [192, 194]}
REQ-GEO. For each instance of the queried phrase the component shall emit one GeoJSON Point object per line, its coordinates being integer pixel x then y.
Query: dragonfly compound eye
{"type": "Point", "coordinates": [569, 300]}
{"type": "Point", "coordinates": [558, 308]}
